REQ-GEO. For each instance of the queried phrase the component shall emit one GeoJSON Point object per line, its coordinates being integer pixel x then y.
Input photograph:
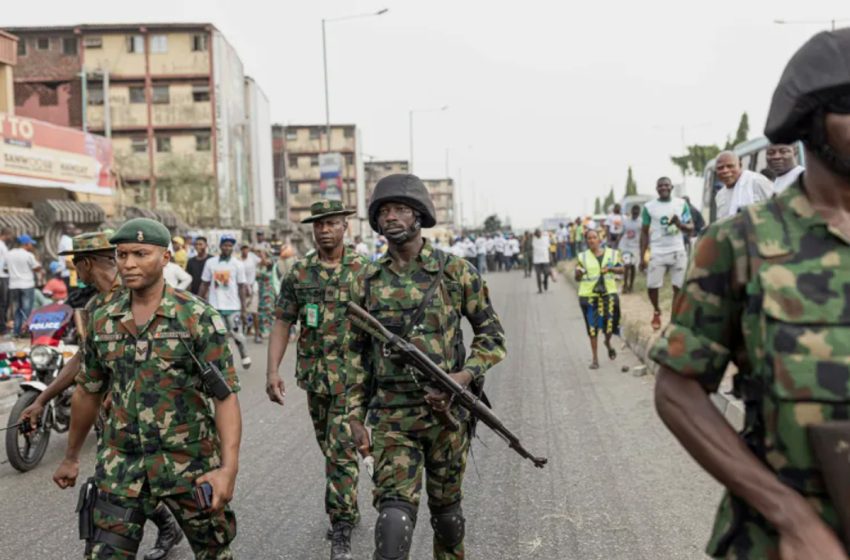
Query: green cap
{"type": "Point", "coordinates": [89, 243]}
{"type": "Point", "coordinates": [326, 209]}
{"type": "Point", "coordinates": [142, 230]}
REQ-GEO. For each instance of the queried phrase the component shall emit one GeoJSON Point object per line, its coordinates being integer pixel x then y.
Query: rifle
{"type": "Point", "coordinates": [417, 359]}
{"type": "Point", "coordinates": [830, 443]}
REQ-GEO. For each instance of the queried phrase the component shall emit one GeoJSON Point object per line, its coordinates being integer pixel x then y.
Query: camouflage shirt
{"type": "Point", "coordinates": [769, 291]}
{"type": "Point", "coordinates": [161, 425]}
{"type": "Point", "coordinates": [316, 295]}
{"type": "Point", "coordinates": [393, 299]}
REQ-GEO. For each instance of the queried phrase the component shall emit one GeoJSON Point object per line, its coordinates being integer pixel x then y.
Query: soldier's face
{"type": "Point", "coordinates": [395, 218]}
{"type": "Point", "coordinates": [329, 232]}
{"type": "Point", "coordinates": [140, 265]}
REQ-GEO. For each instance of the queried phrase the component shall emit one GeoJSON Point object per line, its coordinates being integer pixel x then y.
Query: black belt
{"type": "Point", "coordinates": [115, 540]}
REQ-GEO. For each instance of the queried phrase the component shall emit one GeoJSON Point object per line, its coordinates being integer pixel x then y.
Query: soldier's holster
{"type": "Point", "coordinates": [89, 501]}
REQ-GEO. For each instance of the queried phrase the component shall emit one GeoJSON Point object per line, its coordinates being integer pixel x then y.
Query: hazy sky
{"type": "Point", "coordinates": [549, 102]}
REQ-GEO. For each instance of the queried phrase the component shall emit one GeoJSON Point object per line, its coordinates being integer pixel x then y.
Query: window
{"type": "Point", "coordinates": [159, 44]}
{"type": "Point", "coordinates": [69, 45]}
{"type": "Point", "coordinates": [349, 159]}
{"type": "Point", "coordinates": [202, 142]}
{"type": "Point", "coordinates": [315, 134]}
{"type": "Point", "coordinates": [199, 42]}
{"type": "Point", "coordinates": [22, 47]}
{"type": "Point", "coordinates": [293, 160]}
{"type": "Point", "coordinates": [160, 94]}
{"type": "Point", "coordinates": [200, 93]}
{"type": "Point", "coordinates": [135, 43]}
{"type": "Point", "coordinates": [348, 132]}
{"type": "Point", "coordinates": [137, 94]}
{"type": "Point", "coordinates": [93, 42]}
{"type": "Point", "coordinates": [163, 143]}
{"type": "Point", "coordinates": [293, 188]}
{"type": "Point", "coordinates": [139, 145]}
{"type": "Point", "coordinates": [42, 43]}
{"type": "Point", "coordinates": [291, 134]}
{"type": "Point", "coordinates": [95, 94]}
{"type": "Point", "coordinates": [315, 188]}
{"type": "Point", "coordinates": [314, 161]}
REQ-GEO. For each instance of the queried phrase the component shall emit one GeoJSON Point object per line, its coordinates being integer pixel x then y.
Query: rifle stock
{"type": "Point", "coordinates": [831, 446]}
{"type": "Point", "coordinates": [439, 378]}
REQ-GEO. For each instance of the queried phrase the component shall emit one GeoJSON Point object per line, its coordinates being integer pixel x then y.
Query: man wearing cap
{"type": "Point", "coordinates": [314, 293]}
{"type": "Point", "coordinates": [22, 266]}
{"type": "Point", "coordinates": [169, 429]}
{"type": "Point", "coordinates": [93, 257]}
{"type": "Point", "coordinates": [224, 285]}
{"type": "Point", "coordinates": [768, 291]}
{"type": "Point", "coordinates": [181, 257]}
{"type": "Point", "coordinates": [419, 293]}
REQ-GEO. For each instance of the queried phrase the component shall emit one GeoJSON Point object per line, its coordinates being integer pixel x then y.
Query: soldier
{"type": "Point", "coordinates": [315, 293]}
{"type": "Point", "coordinates": [94, 260]}
{"type": "Point", "coordinates": [419, 293]}
{"type": "Point", "coordinates": [768, 291]}
{"type": "Point", "coordinates": [147, 346]}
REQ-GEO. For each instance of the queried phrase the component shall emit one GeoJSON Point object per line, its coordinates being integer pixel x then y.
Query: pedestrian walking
{"type": "Point", "coordinates": [176, 276]}
{"type": "Point", "coordinates": [664, 220]}
{"type": "Point", "coordinates": [166, 433]}
{"type": "Point", "coordinates": [266, 293]}
{"type": "Point", "coordinates": [315, 293]}
{"type": "Point", "coordinates": [180, 256]}
{"type": "Point", "coordinates": [614, 226]}
{"type": "Point", "coordinates": [491, 253]}
{"type": "Point", "coordinates": [528, 253]}
{"type": "Point", "coordinates": [224, 285]}
{"type": "Point", "coordinates": [630, 247]}
{"type": "Point", "coordinates": [596, 273]}
{"type": "Point", "coordinates": [195, 265]}
{"type": "Point", "coordinates": [22, 267]}
{"type": "Point", "coordinates": [562, 237]}
{"type": "Point", "coordinates": [499, 243]}
{"type": "Point", "coordinates": [767, 291]}
{"type": "Point", "coordinates": [481, 249]}
{"type": "Point", "coordinates": [422, 293]}
{"type": "Point", "coordinates": [542, 260]}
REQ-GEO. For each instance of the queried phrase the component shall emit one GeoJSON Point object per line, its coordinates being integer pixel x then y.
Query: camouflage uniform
{"type": "Point", "coordinates": [323, 368]}
{"type": "Point", "coordinates": [160, 435]}
{"type": "Point", "coordinates": [768, 290]}
{"type": "Point", "coordinates": [406, 435]}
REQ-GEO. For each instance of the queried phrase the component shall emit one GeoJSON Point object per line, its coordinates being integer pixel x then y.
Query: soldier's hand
{"type": "Point", "coordinates": [223, 482]}
{"type": "Point", "coordinates": [813, 540]}
{"type": "Point", "coordinates": [275, 388]}
{"type": "Point", "coordinates": [67, 472]}
{"type": "Point", "coordinates": [361, 438]}
{"type": "Point", "coordinates": [32, 415]}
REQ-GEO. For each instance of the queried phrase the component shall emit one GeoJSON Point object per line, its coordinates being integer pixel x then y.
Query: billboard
{"type": "Point", "coordinates": [330, 167]}
{"type": "Point", "coordinates": [39, 154]}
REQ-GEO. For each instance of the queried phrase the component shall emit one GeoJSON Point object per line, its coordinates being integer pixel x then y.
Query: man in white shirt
{"type": "Point", "coordinates": [22, 266]}
{"type": "Point", "coordinates": [470, 252]}
{"type": "Point", "coordinates": [742, 187]}
{"type": "Point", "coordinates": [630, 247]}
{"type": "Point", "coordinates": [562, 237]}
{"type": "Point", "coordinates": [175, 276]}
{"type": "Point", "coordinates": [507, 254]}
{"type": "Point", "coordinates": [491, 253]}
{"type": "Point", "coordinates": [664, 220]}
{"type": "Point", "coordinates": [481, 249]}
{"type": "Point", "coordinates": [360, 247]}
{"type": "Point", "coordinates": [614, 226]}
{"type": "Point", "coordinates": [223, 284]}
{"type": "Point", "coordinates": [499, 243]}
{"type": "Point", "coordinates": [250, 260]}
{"type": "Point", "coordinates": [540, 255]}
{"type": "Point", "coordinates": [513, 243]}
{"type": "Point", "coordinates": [5, 238]}
{"type": "Point", "coordinates": [782, 160]}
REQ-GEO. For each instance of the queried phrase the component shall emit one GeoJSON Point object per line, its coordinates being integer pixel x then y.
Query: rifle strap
{"type": "Point", "coordinates": [416, 318]}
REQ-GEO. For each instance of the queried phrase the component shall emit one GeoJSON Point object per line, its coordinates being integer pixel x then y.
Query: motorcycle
{"type": "Point", "coordinates": [52, 334]}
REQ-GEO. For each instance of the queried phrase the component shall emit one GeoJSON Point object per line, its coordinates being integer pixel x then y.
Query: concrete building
{"type": "Point", "coordinates": [173, 99]}
{"type": "Point", "coordinates": [377, 170]}
{"type": "Point", "coordinates": [260, 164]}
{"type": "Point", "coordinates": [443, 194]}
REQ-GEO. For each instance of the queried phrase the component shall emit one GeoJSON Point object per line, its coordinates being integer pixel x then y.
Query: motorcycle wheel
{"type": "Point", "coordinates": [25, 451]}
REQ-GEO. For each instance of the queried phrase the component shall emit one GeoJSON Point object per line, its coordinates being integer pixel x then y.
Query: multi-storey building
{"type": "Point", "coordinates": [174, 99]}
{"type": "Point", "coordinates": [443, 194]}
{"type": "Point", "coordinates": [377, 170]}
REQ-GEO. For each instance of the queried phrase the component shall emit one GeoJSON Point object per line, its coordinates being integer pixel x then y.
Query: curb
{"type": "Point", "coordinates": [640, 343]}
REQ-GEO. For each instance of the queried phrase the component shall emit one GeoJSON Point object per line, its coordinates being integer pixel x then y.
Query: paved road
{"type": "Point", "coordinates": [617, 485]}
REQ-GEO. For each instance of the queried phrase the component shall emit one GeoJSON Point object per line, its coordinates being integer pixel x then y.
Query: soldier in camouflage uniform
{"type": "Point", "coordinates": [314, 293]}
{"type": "Point", "coordinates": [769, 290]}
{"type": "Point", "coordinates": [165, 433]}
{"type": "Point", "coordinates": [421, 294]}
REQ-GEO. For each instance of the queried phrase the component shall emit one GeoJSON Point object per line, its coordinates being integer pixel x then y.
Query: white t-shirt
{"type": "Point", "coordinates": [630, 242]}
{"type": "Point", "coordinates": [491, 246]}
{"type": "Point", "coordinates": [224, 278]}
{"type": "Point", "coordinates": [509, 248]}
{"type": "Point", "coordinates": [499, 243]}
{"type": "Point", "coordinates": [481, 246]}
{"type": "Point", "coordinates": [21, 263]}
{"type": "Point", "coordinates": [469, 249]}
{"type": "Point", "coordinates": [784, 181]}
{"type": "Point", "coordinates": [614, 222]}
{"type": "Point", "coordinates": [665, 237]}
{"type": "Point", "coordinates": [176, 277]}
{"type": "Point", "coordinates": [540, 248]}
{"type": "Point", "coordinates": [751, 188]}
{"type": "Point", "coordinates": [362, 249]}
{"type": "Point", "coordinates": [4, 250]}
{"type": "Point", "coordinates": [514, 243]}
{"type": "Point", "coordinates": [65, 244]}
{"type": "Point", "coordinates": [457, 250]}
{"type": "Point", "coordinates": [563, 235]}
{"type": "Point", "coordinates": [250, 265]}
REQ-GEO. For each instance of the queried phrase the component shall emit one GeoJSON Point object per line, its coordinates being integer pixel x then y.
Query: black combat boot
{"type": "Point", "coordinates": [169, 533]}
{"type": "Point", "coordinates": [341, 541]}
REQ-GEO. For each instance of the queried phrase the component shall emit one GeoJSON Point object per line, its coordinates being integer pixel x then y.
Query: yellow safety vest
{"type": "Point", "coordinates": [592, 271]}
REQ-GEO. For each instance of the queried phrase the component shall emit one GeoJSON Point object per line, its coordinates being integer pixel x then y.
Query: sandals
{"type": "Point", "coordinates": [656, 321]}
{"type": "Point", "coordinates": [612, 354]}
{"type": "Point", "coordinates": [594, 365]}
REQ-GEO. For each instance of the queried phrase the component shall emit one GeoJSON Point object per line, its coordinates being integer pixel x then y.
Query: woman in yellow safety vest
{"type": "Point", "coordinates": [597, 292]}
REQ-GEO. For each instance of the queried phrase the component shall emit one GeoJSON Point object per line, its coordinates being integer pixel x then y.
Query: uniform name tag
{"type": "Point", "coordinates": [312, 312]}
{"type": "Point", "coordinates": [171, 335]}
{"type": "Point", "coordinates": [104, 337]}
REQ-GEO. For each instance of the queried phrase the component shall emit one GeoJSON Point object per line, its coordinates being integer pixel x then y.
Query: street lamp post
{"type": "Point", "coordinates": [325, 64]}
{"type": "Point", "coordinates": [831, 22]}
{"type": "Point", "coordinates": [412, 111]}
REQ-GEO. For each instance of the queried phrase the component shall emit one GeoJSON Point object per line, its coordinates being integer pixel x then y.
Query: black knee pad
{"type": "Point", "coordinates": [394, 530]}
{"type": "Point", "coordinates": [449, 524]}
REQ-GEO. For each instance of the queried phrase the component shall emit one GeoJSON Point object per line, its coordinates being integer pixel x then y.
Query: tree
{"type": "Point", "coordinates": [609, 200]}
{"type": "Point", "coordinates": [698, 155]}
{"type": "Point", "coordinates": [741, 134]}
{"type": "Point", "coordinates": [190, 189]}
{"type": "Point", "coordinates": [492, 224]}
{"type": "Point", "coordinates": [631, 185]}
{"type": "Point", "coordinates": [597, 207]}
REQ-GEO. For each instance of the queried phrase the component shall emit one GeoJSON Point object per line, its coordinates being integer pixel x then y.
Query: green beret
{"type": "Point", "coordinates": [142, 230]}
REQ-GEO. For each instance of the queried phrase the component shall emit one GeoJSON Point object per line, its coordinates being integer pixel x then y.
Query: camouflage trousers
{"type": "Point", "coordinates": [209, 534]}
{"type": "Point", "coordinates": [342, 471]}
{"type": "Point", "coordinates": [405, 451]}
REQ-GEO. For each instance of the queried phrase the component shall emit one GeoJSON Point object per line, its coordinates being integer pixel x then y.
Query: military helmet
{"type": "Point", "coordinates": [818, 72]}
{"type": "Point", "coordinates": [405, 189]}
